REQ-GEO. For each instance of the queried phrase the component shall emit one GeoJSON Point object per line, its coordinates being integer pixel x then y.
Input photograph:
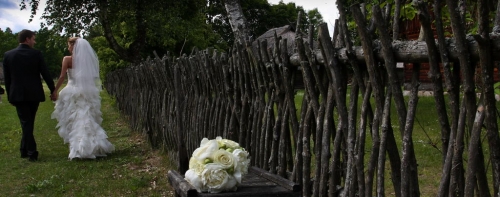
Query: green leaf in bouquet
{"type": "Point", "coordinates": [230, 170]}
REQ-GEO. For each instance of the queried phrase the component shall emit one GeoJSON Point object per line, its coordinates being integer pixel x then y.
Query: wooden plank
{"type": "Point", "coordinates": [257, 183]}
{"type": "Point", "coordinates": [287, 184]}
{"type": "Point", "coordinates": [181, 186]}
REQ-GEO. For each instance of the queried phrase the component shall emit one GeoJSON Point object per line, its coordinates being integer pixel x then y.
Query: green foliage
{"type": "Point", "coordinates": [51, 45]}
{"type": "Point", "coordinates": [408, 11]}
{"type": "Point", "coordinates": [8, 41]}
{"type": "Point", "coordinates": [261, 16]}
{"type": "Point", "coordinates": [184, 35]}
{"type": "Point", "coordinates": [129, 26]}
{"type": "Point", "coordinates": [286, 14]}
{"type": "Point", "coordinates": [496, 87]}
{"type": "Point", "coordinates": [80, 16]}
{"type": "Point", "coordinates": [108, 59]}
{"type": "Point", "coordinates": [127, 31]}
{"type": "Point", "coordinates": [258, 14]}
{"type": "Point", "coordinates": [314, 18]}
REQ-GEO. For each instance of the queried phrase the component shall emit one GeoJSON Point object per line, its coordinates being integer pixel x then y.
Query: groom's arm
{"type": "Point", "coordinates": [6, 74]}
{"type": "Point", "coordinates": [45, 73]}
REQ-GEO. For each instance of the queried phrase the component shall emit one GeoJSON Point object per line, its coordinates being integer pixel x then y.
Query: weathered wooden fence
{"type": "Point", "coordinates": [235, 96]}
{"type": "Point", "coordinates": [249, 96]}
{"type": "Point", "coordinates": [243, 96]}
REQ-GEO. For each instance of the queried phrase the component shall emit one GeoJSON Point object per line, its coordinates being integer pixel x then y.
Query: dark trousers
{"type": "Point", "coordinates": [26, 111]}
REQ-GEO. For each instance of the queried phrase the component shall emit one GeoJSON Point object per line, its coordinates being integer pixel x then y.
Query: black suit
{"type": "Point", "coordinates": [22, 69]}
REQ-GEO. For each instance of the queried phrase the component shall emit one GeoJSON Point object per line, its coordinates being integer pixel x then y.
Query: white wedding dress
{"type": "Point", "coordinates": [78, 113]}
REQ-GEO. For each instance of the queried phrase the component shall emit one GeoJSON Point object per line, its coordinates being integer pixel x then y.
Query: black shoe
{"type": "Point", "coordinates": [24, 153]}
{"type": "Point", "coordinates": [33, 156]}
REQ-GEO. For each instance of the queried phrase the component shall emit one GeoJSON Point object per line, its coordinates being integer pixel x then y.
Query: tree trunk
{"type": "Point", "coordinates": [237, 20]}
{"type": "Point", "coordinates": [488, 93]}
{"type": "Point", "coordinates": [386, 128]}
{"type": "Point", "coordinates": [467, 70]}
{"type": "Point", "coordinates": [408, 167]}
{"type": "Point", "coordinates": [356, 66]}
{"type": "Point", "coordinates": [457, 173]}
{"type": "Point", "coordinates": [395, 26]}
{"type": "Point", "coordinates": [360, 143]}
{"type": "Point", "coordinates": [183, 156]}
{"type": "Point", "coordinates": [131, 54]}
{"type": "Point", "coordinates": [453, 91]}
{"type": "Point", "coordinates": [474, 157]}
{"type": "Point", "coordinates": [306, 153]}
{"type": "Point", "coordinates": [496, 25]}
{"type": "Point", "coordinates": [339, 82]}
{"type": "Point", "coordinates": [435, 74]}
{"type": "Point", "coordinates": [376, 83]}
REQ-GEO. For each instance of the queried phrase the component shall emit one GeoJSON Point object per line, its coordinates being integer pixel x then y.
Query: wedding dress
{"type": "Point", "coordinates": [79, 117]}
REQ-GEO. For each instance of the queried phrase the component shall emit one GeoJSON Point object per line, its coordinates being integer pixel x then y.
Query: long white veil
{"type": "Point", "coordinates": [85, 66]}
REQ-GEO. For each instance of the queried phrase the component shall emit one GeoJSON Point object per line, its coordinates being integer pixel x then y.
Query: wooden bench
{"type": "Point", "coordinates": [257, 183]}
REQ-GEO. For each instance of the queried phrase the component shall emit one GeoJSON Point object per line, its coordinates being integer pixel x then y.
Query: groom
{"type": "Point", "coordinates": [22, 68]}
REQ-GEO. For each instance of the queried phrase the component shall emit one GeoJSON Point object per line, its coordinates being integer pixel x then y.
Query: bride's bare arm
{"type": "Point", "coordinates": [66, 63]}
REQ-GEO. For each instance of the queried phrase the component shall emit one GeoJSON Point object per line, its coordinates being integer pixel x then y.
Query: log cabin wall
{"type": "Point", "coordinates": [426, 82]}
{"type": "Point", "coordinates": [410, 30]}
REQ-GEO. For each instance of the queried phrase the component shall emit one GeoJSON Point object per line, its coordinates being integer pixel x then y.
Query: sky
{"type": "Point", "coordinates": [14, 18]}
{"type": "Point", "coordinates": [11, 16]}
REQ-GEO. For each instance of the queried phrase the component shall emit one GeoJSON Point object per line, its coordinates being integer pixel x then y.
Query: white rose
{"type": "Point", "coordinates": [205, 150]}
{"type": "Point", "coordinates": [231, 184]}
{"type": "Point", "coordinates": [195, 180]}
{"type": "Point", "coordinates": [225, 143]}
{"type": "Point", "coordinates": [241, 161]}
{"type": "Point", "coordinates": [237, 176]}
{"type": "Point", "coordinates": [231, 144]}
{"type": "Point", "coordinates": [204, 141]}
{"type": "Point", "coordinates": [219, 141]}
{"type": "Point", "coordinates": [214, 177]}
{"type": "Point", "coordinates": [196, 165]}
{"type": "Point", "coordinates": [224, 158]}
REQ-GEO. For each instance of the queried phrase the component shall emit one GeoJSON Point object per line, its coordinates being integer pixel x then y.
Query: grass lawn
{"type": "Point", "coordinates": [132, 170]}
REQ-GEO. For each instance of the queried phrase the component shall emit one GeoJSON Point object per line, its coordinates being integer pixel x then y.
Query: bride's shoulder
{"type": "Point", "coordinates": [67, 61]}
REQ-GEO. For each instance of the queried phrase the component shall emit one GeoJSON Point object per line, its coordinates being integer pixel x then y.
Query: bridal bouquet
{"type": "Point", "coordinates": [217, 165]}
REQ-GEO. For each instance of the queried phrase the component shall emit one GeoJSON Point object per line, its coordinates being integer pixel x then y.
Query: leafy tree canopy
{"type": "Point", "coordinates": [260, 15]}
{"type": "Point", "coordinates": [129, 26]}
{"type": "Point", "coordinates": [52, 46]}
{"type": "Point", "coordinates": [9, 41]}
{"type": "Point", "coordinates": [126, 31]}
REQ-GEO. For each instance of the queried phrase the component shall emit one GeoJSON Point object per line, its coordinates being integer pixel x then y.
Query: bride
{"type": "Point", "coordinates": [77, 108]}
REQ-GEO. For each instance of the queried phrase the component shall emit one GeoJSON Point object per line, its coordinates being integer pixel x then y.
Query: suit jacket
{"type": "Point", "coordinates": [22, 68]}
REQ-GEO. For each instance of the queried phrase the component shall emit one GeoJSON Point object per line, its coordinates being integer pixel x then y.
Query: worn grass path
{"type": "Point", "coordinates": [132, 170]}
